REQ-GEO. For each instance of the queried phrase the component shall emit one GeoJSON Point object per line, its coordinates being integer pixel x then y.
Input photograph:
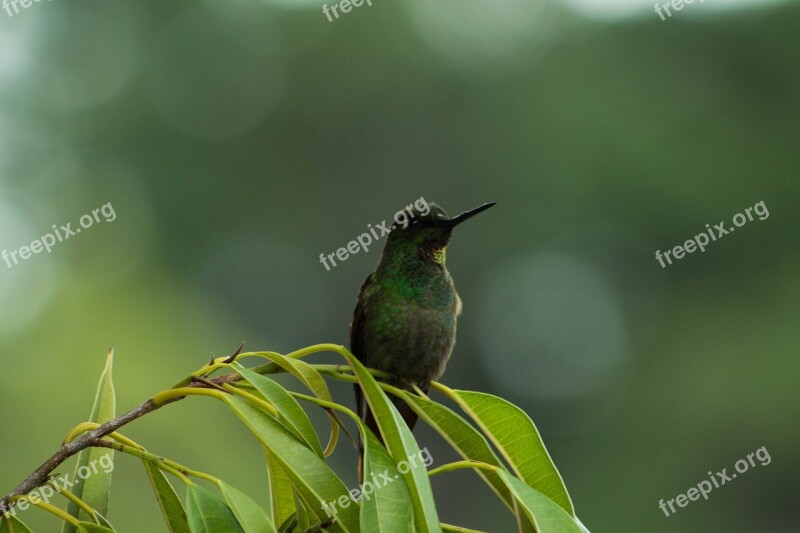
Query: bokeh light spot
{"type": "Point", "coordinates": [555, 326]}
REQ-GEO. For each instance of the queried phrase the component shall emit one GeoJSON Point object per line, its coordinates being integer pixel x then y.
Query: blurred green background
{"type": "Point", "coordinates": [239, 140]}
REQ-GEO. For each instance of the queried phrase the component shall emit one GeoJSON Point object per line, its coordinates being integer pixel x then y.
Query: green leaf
{"type": "Point", "coordinates": [448, 528]}
{"type": "Point", "coordinates": [289, 526]}
{"type": "Point", "coordinates": [518, 441]}
{"type": "Point", "coordinates": [470, 444]}
{"type": "Point", "coordinates": [168, 501]}
{"type": "Point", "coordinates": [386, 506]}
{"type": "Point", "coordinates": [11, 524]}
{"type": "Point", "coordinates": [207, 513]}
{"type": "Point", "coordinates": [546, 514]}
{"type": "Point", "coordinates": [304, 520]}
{"type": "Point", "coordinates": [313, 380]}
{"type": "Point", "coordinates": [310, 476]}
{"type": "Point", "coordinates": [289, 411]}
{"type": "Point", "coordinates": [251, 517]}
{"type": "Point", "coordinates": [401, 446]}
{"type": "Point", "coordinates": [464, 439]}
{"type": "Point", "coordinates": [281, 491]}
{"type": "Point", "coordinates": [103, 521]}
{"type": "Point", "coordinates": [89, 527]}
{"type": "Point", "coordinates": [95, 489]}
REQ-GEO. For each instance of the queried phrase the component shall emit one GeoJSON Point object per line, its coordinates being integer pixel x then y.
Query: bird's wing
{"type": "Point", "coordinates": [357, 334]}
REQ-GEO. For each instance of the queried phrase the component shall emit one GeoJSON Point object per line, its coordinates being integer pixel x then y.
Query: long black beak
{"type": "Point", "coordinates": [455, 221]}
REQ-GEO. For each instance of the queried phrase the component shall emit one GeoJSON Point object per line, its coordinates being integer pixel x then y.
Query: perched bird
{"type": "Point", "coordinates": [405, 318]}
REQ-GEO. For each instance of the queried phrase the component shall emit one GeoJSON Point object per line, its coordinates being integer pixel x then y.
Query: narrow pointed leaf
{"type": "Point", "coordinates": [303, 518]}
{"type": "Point", "coordinates": [470, 444]}
{"type": "Point", "coordinates": [281, 491]}
{"type": "Point", "coordinates": [385, 501]}
{"type": "Point", "coordinates": [289, 526]}
{"type": "Point", "coordinates": [290, 414]}
{"type": "Point", "coordinates": [310, 476]}
{"type": "Point", "coordinates": [95, 489]}
{"type": "Point", "coordinates": [313, 380]}
{"type": "Point", "coordinates": [546, 514]}
{"type": "Point", "coordinates": [103, 521]}
{"type": "Point", "coordinates": [168, 500]}
{"type": "Point", "coordinates": [207, 513]}
{"type": "Point", "coordinates": [401, 446]}
{"type": "Point", "coordinates": [251, 517]}
{"type": "Point", "coordinates": [518, 441]}
{"type": "Point", "coordinates": [464, 439]}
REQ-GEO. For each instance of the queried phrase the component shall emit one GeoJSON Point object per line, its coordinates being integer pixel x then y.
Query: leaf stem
{"type": "Point", "coordinates": [66, 517]}
{"type": "Point", "coordinates": [77, 501]}
{"type": "Point", "coordinates": [459, 465]}
{"type": "Point", "coordinates": [173, 394]}
{"type": "Point", "coordinates": [328, 405]}
{"type": "Point", "coordinates": [163, 463]}
{"type": "Point", "coordinates": [329, 370]}
{"type": "Point", "coordinates": [449, 528]}
{"type": "Point", "coordinates": [265, 406]}
{"type": "Point", "coordinates": [88, 426]}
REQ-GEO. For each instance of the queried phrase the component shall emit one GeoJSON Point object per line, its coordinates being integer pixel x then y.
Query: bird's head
{"type": "Point", "coordinates": [427, 230]}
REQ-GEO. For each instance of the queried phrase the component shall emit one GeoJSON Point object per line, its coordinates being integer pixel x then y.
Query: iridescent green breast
{"type": "Point", "coordinates": [409, 325]}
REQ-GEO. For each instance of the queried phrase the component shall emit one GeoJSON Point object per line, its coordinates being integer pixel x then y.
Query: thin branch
{"type": "Point", "coordinates": [41, 475]}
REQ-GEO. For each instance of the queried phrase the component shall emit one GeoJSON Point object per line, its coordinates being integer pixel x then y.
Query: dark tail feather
{"type": "Point", "coordinates": [409, 416]}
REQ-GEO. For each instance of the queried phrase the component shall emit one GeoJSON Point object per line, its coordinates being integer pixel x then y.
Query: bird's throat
{"type": "Point", "coordinates": [433, 254]}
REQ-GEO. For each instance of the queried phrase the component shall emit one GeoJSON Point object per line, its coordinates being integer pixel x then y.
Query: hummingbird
{"type": "Point", "coordinates": [404, 323]}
